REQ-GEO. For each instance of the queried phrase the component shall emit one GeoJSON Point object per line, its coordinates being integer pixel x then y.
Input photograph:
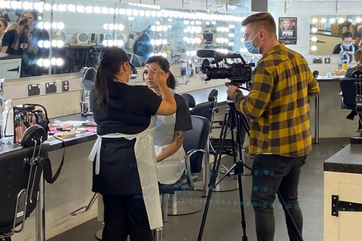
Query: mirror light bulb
{"type": "Point", "coordinates": [313, 48]}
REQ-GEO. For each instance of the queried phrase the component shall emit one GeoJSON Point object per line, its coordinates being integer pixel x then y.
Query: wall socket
{"type": "Point", "coordinates": [51, 87]}
{"type": "Point", "coordinates": [33, 89]}
{"type": "Point", "coordinates": [65, 85]}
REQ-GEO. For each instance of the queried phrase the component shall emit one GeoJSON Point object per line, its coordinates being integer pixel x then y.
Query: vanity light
{"type": "Point", "coordinates": [80, 9]}
{"type": "Point", "coordinates": [60, 44]}
{"type": "Point", "coordinates": [97, 9]}
{"type": "Point", "coordinates": [341, 20]}
{"type": "Point", "coordinates": [122, 11]}
{"type": "Point", "coordinates": [314, 20]}
{"type": "Point", "coordinates": [39, 62]}
{"type": "Point", "coordinates": [46, 63]}
{"type": "Point", "coordinates": [130, 18]}
{"type": "Point", "coordinates": [15, 5]}
{"type": "Point", "coordinates": [62, 7]}
{"type": "Point", "coordinates": [59, 62]}
{"type": "Point", "coordinates": [314, 30]}
{"type": "Point", "coordinates": [332, 20]}
{"type": "Point", "coordinates": [52, 61]}
{"type": "Point", "coordinates": [47, 25]}
{"type": "Point", "coordinates": [27, 5]}
{"type": "Point", "coordinates": [47, 7]}
{"type": "Point", "coordinates": [231, 26]}
{"type": "Point", "coordinates": [105, 26]}
{"type": "Point", "coordinates": [46, 44]}
{"type": "Point", "coordinates": [39, 6]}
{"type": "Point", "coordinates": [231, 35]}
{"type": "Point", "coordinates": [135, 12]}
{"type": "Point", "coordinates": [313, 48]}
{"type": "Point", "coordinates": [111, 27]}
{"type": "Point", "coordinates": [129, 12]}
{"type": "Point", "coordinates": [153, 13]}
{"type": "Point", "coordinates": [41, 25]}
{"type": "Point", "coordinates": [71, 8]}
{"type": "Point", "coordinates": [41, 43]}
{"type": "Point", "coordinates": [120, 27]}
{"type": "Point", "coordinates": [230, 44]}
{"type": "Point", "coordinates": [147, 13]}
{"type": "Point", "coordinates": [89, 9]}
{"type": "Point", "coordinates": [141, 13]}
{"type": "Point", "coordinates": [60, 25]}
{"type": "Point", "coordinates": [105, 10]}
{"type": "Point", "coordinates": [314, 39]}
{"type": "Point", "coordinates": [323, 20]}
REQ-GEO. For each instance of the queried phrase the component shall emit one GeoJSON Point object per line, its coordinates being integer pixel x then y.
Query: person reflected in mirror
{"type": "Point", "coordinates": [31, 50]}
{"type": "Point", "coordinates": [349, 73]}
{"type": "Point", "coordinates": [124, 169]}
{"type": "Point", "coordinates": [358, 36]}
{"type": "Point", "coordinates": [3, 26]}
{"type": "Point", "coordinates": [170, 130]}
{"type": "Point", "coordinates": [280, 135]}
{"type": "Point", "coordinates": [346, 45]}
{"type": "Point", "coordinates": [13, 41]}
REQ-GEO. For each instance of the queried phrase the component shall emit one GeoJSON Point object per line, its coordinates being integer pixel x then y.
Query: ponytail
{"type": "Point", "coordinates": [171, 81]}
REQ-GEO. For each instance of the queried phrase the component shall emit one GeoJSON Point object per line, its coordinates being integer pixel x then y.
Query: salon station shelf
{"type": "Point", "coordinates": [343, 194]}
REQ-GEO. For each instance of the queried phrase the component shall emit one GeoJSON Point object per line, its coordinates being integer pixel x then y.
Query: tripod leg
{"type": "Point", "coordinates": [289, 215]}
{"type": "Point", "coordinates": [214, 171]}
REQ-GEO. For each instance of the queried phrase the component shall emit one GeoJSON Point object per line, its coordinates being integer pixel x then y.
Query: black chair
{"type": "Point", "coordinates": [20, 173]}
{"type": "Point", "coordinates": [190, 100]}
{"type": "Point", "coordinates": [195, 143]}
{"type": "Point", "coordinates": [352, 95]}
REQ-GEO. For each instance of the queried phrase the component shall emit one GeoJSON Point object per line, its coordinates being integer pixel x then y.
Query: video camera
{"type": "Point", "coordinates": [236, 69]}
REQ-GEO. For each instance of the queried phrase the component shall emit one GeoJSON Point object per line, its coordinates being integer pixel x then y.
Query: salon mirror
{"type": "Point", "coordinates": [78, 30]}
{"type": "Point", "coordinates": [326, 31]}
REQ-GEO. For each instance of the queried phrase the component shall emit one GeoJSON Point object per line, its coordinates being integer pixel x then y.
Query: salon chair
{"type": "Point", "coordinates": [189, 99]}
{"type": "Point", "coordinates": [20, 174]}
{"type": "Point", "coordinates": [195, 143]}
{"type": "Point", "coordinates": [351, 88]}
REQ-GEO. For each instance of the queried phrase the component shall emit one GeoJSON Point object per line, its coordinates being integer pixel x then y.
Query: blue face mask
{"type": "Point", "coordinates": [250, 47]}
{"type": "Point", "coordinates": [347, 45]}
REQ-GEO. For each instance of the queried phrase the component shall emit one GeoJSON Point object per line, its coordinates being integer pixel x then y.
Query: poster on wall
{"type": "Point", "coordinates": [288, 30]}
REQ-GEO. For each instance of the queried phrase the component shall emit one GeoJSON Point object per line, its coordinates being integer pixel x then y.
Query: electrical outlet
{"type": "Point", "coordinates": [51, 87]}
{"type": "Point", "coordinates": [33, 89]}
{"type": "Point", "coordinates": [65, 85]}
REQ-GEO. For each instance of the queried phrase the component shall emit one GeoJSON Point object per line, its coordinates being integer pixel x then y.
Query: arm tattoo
{"type": "Point", "coordinates": [179, 137]}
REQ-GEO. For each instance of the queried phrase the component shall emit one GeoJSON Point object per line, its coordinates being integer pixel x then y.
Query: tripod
{"type": "Point", "coordinates": [234, 118]}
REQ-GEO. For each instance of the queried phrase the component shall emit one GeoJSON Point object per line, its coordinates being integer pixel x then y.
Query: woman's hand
{"type": "Point", "coordinates": [160, 77]}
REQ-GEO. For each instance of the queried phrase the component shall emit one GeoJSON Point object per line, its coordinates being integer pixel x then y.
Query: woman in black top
{"type": "Point", "coordinates": [123, 116]}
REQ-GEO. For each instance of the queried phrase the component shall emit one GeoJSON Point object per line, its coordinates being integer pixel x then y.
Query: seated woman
{"type": "Point", "coordinates": [170, 130]}
{"type": "Point", "coordinates": [349, 73]}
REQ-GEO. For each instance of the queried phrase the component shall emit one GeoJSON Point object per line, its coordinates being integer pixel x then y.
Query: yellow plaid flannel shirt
{"type": "Point", "coordinates": [277, 104]}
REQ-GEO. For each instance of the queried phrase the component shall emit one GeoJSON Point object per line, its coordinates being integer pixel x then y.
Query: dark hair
{"type": "Point", "coordinates": [262, 20]}
{"type": "Point", "coordinates": [109, 63]}
{"type": "Point", "coordinates": [32, 12]}
{"type": "Point", "coordinates": [4, 22]}
{"type": "Point", "coordinates": [165, 66]}
{"type": "Point", "coordinates": [347, 34]}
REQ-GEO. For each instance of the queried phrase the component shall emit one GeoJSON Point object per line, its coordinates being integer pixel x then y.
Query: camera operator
{"type": "Point", "coordinates": [280, 136]}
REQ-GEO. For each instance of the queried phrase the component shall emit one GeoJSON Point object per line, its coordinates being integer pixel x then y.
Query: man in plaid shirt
{"type": "Point", "coordinates": [280, 136]}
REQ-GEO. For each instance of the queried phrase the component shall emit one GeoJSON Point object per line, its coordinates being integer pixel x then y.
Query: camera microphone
{"type": "Point", "coordinates": [205, 53]}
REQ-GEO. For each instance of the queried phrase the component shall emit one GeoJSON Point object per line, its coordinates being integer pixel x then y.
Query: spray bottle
{"type": "Point", "coordinates": [8, 119]}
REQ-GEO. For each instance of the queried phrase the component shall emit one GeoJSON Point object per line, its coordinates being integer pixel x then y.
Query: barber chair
{"type": "Point", "coordinates": [352, 98]}
{"type": "Point", "coordinates": [20, 173]}
{"type": "Point", "coordinates": [195, 143]}
{"type": "Point", "coordinates": [190, 99]}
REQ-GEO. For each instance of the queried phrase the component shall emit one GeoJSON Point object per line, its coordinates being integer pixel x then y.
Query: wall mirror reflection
{"type": "Point", "coordinates": [73, 32]}
{"type": "Point", "coordinates": [326, 34]}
